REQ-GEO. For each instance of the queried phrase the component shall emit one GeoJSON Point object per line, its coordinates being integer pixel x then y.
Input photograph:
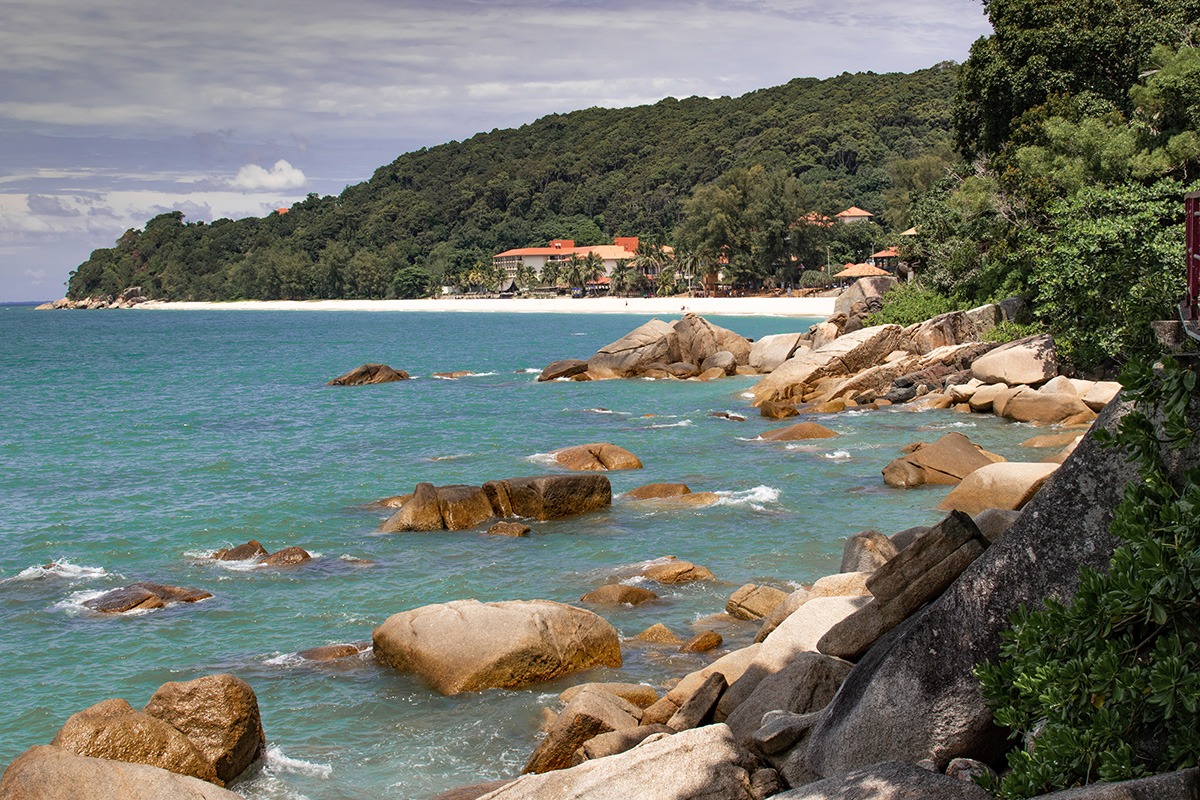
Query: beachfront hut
{"type": "Point", "coordinates": [856, 271]}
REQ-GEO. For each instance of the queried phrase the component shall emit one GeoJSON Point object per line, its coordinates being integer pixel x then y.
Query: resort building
{"type": "Point", "coordinates": [559, 251]}
{"type": "Point", "coordinates": [854, 214]}
{"type": "Point", "coordinates": [887, 258]}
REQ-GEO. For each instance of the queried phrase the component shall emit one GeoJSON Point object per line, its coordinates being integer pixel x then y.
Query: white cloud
{"type": "Point", "coordinates": [280, 177]}
{"type": "Point", "coordinates": [37, 277]}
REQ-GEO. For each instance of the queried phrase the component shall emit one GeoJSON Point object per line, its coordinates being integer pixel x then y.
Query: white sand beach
{"type": "Point", "coordinates": [715, 306]}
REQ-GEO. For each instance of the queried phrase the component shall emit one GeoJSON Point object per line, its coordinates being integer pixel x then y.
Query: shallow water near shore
{"type": "Point", "coordinates": [133, 444]}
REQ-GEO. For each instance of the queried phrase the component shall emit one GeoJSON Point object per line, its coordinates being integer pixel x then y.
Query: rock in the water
{"type": "Point", "coordinates": [701, 763]}
{"type": "Point", "coordinates": [676, 570]}
{"type": "Point", "coordinates": [566, 368]}
{"type": "Point", "coordinates": [658, 634]}
{"type": "Point", "coordinates": [841, 357]}
{"type": "Point", "coordinates": [369, 373]}
{"type": "Point", "coordinates": [333, 652]}
{"type": "Point", "coordinates": [243, 552]}
{"type": "Point", "coordinates": [658, 490]}
{"type": "Point", "coordinates": [219, 713]}
{"type": "Point", "coordinates": [615, 594]}
{"type": "Point", "coordinates": [545, 497]}
{"type": "Point", "coordinates": [867, 552]}
{"type": "Point", "coordinates": [144, 596]}
{"type": "Point", "coordinates": [722, 360]}
{"type": "Point", "coordinates": [614, 742]}
{"type": "Point", "coordinates": [699, 339]}
{"type": "Point", "coordinates": [1006, 486]}
{"type": "Point", "coordinates": [805, 684]}
{"type": "Point", "coordinates": [914, 695]}
{"type": "Point", "coordinates": [287, 557]}
{"type": "Point", "coordinates": [799, 432]}
{"type": "Point", "coordinates": [52, 773]}
{"type": "Point", "coordinates": [421, 513]}
{"type": "Point", "coordinates": [503, 528]}
{"type": "Point", "coordinates": [653, 342]}
{"type": "Point", "coordinates": [112, 729]}
{"type": "Point", "coordinates": [754, 602]}
{"type": "Point", "coordinates": [596, 456]}
{"type": "Point", "coordinates": [773, 410]}
{"type": "Point", "coordinates": [463, 507]}
{"type": "Point", "coordinates": [702, 642]}
{"type": "Point", "coordinates": [465, 645]}
{"type": "Point", "coordinates": [947, 461]}
{"type": "Point", "coordinates": [1025, 361]}
{"type": "Point", "coordinates": [472, 792]}
{"type": "Point", "coordinates": [589, 714]}
{"type": "Point", "coordinates": [887, 781]}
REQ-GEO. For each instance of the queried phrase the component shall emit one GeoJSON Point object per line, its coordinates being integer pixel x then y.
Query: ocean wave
{"type": "Point", "coordinates": [757, 498]}
{"type": "Point", "coordinates": [59, 568]}
{"type": "Point", "coordinates": [532, 371]}
{"type": "Point", "coordinates": [277, 761]}
{"type": "Point", "coordinates": [747, 395]}
{"type": "Point", "coordinates": [284, 660]}
{"type": "Point", "coordinates": [683, 423]}
{"type": "Point", "coordinates": [73, 604]}
{"type": "Point", "coordinates": [452, 457]}
{"type": "Point", "coordinates": [837, 455]}
{"type": "Point", "coordinates": [545, 459]}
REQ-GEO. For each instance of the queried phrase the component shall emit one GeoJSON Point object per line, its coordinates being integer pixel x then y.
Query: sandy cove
{"type": "Point", "coordinates": [716, 306]}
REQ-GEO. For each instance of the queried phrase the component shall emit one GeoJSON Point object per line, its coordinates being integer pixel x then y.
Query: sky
{"type": "Point", "coordinates": [114, 112]}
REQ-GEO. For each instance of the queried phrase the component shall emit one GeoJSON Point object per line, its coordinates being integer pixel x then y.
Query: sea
{"type": "Point", "coordinates": [135, 443]}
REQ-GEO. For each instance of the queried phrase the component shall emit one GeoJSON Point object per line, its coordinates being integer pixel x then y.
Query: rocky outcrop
{"type": "Point", "coordinates": [566, 368]}
{"type": "Point", "coordinates": [588, 714]}
{"type": "Point", "coordinates": [698, 340]}
{"type": "Point", "coordinates": [805, 684]}
{"type": "Point", "coordinates": [52, 773]}
{"type": "Point", "coordinates": [143, 596]}
{"type": "Point", "coordinates": [841, 357]}
{"type": "Point", "coordinates": [862, 290]}
{"type": "Point", "coordinates": [769, 352]}
{"type": "Point", "coordinates": [701, 763]}
{"type": "Point", "coordinates": [242, 552]}
{"type": "Point", "coordinates": [867, 552]}
{"type": "Point", "coordinates": [947, 461]}
{"type": "Point", "coordinates": [599, 456]}
{"type": "Point", "coordinates": [675, 570]}
{"type": "Point", "coordinates": [658, 491]}
{"type": "Point", "coordinates": [801, 431]}
{"type": "Point", "coordinates": [219, 714]}
{"type": "Point", "coordinates": [752, 601]}
{"type": "Point", "coordinates": [369, 373]}
{"type": "Point", "coordinates": [888, 781]}
{"type": "Point", "coordinates": [653, 342]}
{"type": "Point", "coordinates": [461, 507]}
{"type": "Point", "coordinates": [287, 557]}
{"type": "Point", "coordinates": [465, 645]}
{"type": "Point", "coordinates": [913, 695]}
{"type": "Point", "coordinates": [639, 694]}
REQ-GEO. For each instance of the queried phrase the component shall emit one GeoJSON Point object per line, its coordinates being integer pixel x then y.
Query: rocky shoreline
{"type": "Point", "coordinates": [858, 686]}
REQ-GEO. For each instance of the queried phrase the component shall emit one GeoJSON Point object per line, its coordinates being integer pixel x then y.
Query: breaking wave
{"type": "Point", "coordinates": [59, 568]}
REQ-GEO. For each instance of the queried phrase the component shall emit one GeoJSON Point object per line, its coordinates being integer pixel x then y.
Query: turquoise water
{"type": "Point", "coordinates": [134, 443]}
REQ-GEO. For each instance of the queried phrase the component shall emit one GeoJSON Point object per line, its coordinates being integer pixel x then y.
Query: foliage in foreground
{"type": "Point", "coordinates": [1108, 688]}
{"type": "Point", "coordinates": [907, 303]}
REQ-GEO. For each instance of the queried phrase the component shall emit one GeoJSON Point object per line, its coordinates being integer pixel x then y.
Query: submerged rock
{"type": "Point", "coordinates": [143, 596]}
{"type": "Point", "coordinates": [596, 456]}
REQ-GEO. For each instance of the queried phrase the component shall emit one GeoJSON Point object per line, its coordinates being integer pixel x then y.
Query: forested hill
{"type": "Point", "coordinates": [864, 139]}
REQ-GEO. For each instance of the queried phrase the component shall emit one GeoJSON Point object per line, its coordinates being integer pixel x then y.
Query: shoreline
{"type": "Point", "coordinates": [716, 306]}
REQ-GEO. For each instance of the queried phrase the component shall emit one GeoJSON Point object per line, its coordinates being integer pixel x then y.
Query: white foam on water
{"type": "Point", "coordinates": [59, 568]}
{"type": "Point", "coordinates": [74, 605]}
{"type": "Point", "coordinates": [756, 498]}
{"type": "Point", "coordinates": [284, 660]}
{"type": "Point", "coordinates": [837, 455]}
{"type": "Point", "coordinates": [579, 334]}
{"type": "Point", "coordinates": [532, 371]}
{"type": "Point", "coordinates": [747, 395]}
{"type": "Point", "coordinates": [684, 423]}
{"type": "Point", "coordinates": [481, 374]}
{"type": "Point", "coordinates": [277, 761]}
{"type": "Point", "coordinates": [545, 459]}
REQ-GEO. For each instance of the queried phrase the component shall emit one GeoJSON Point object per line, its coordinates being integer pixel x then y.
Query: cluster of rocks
{"type": "Point", "coordinates": [190, 739]}
{"type": "Point", "coordinates": [461, 507]}
{"type": "Point", "coordinates": [253, 550]}
{"type": "Point", "coordinates": [127, 299]}
{"type": "Point", "coordinates": [369, 374]}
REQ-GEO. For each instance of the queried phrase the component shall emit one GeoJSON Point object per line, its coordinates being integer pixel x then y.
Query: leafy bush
{"type": "Point", "coordinates": [1010, 331]}
{"type": "Point", "coordinates": [814, 279]}
{"type": "Point", "coordinates": [1108, 688]}
{"type": "Point", "coordinates": [907, 303]}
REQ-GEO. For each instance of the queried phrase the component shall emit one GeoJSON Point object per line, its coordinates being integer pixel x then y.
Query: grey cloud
{"type": "Point", "coordinates": [46, 206]}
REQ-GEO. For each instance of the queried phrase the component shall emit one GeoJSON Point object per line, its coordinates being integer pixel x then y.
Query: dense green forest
{"type": "Point", "coordinates": [438, 215]}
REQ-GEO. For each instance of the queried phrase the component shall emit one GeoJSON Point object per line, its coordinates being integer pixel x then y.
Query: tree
{"type": "Point", "coordinates": [410, 282]}
{"type": "Point", "coordinates": [623, 277]}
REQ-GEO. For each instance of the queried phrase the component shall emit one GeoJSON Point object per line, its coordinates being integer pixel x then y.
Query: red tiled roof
{"type": "Point", "coordinates": [861, 271]}
{"type": "Point", "coordinates": [855, 211]}
{"type": "Point", "coordinates": [887, 252]}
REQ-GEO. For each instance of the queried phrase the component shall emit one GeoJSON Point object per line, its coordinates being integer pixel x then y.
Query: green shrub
{"type": "Point", "coordinates": [907, 303]}
{"type": "Point", "coordinates": [814, 279]}
{"type": "Point", "coordinates": [1108, 688]}
{"type": "Point", "coordinates": [1010, 331]}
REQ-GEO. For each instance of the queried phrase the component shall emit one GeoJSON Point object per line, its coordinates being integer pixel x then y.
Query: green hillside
{"type": "Point", "coordinates": [432, 215]}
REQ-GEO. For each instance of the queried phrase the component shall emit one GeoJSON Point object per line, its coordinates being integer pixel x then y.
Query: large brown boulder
{"type": "Point", "coordinates": [1024, 361]}
{"type": "Point", "coordinates": [52, 773]}
{"type": "Point", "coordinates": [953, 328]}
{"type": "Point", "coordinates": [287, 557]}
{"type": "Point", "coordinates": [701, 763]}
{"type": "Point", "coordinates": [658, 491]}
{"type": "Point", "coordinates": [801, 431]}
{"type": "Point", "coordinates": [566, 368]}
{"type": "Point", "coordinates": [805, 684]}
{"type": "Point", "coordinates": [888, 781]}
{"type": "Point", "coordinates": [219, 713]}
{"type": "Point", "coordinates": [112, 729]}
{"type": "Point", "coordinates": [598, 456]}
{"type": "Point", "coordinates": [752, 601]}
{"type": "Point", "coordinates": [1006, 486]}
{"type": "Point", "coordinates": [862, 290]}
{"type": "Point", "coordinates": [545, 497]}
{"type": "Point", "coordinates": [463, 507]}
{"type": "Point", "coordinates": [466, 646]}
{"type": "Point", "coordinates": [369, 373]}
{"type": "Point", "coordinates": [143, 596]}
{"type": "Point", "coordinates": [867, 552]}
{"type": "Point", "coordinates": [242, 552]}
{"type": "Point", "coordinates": [653, 342]}
{"type": "Point", "coordinates": [698, 339]}
{"type": "Point", "coordinates": [947, 461]}
{"type": "Point", "coordinates": [676, 570]}
{"type": "Point", "coordinates": [421, 512]}
{"type": "Point", "coordinates": [1047, 408]}
{"type": "Point", "coordinates": [615, 594]}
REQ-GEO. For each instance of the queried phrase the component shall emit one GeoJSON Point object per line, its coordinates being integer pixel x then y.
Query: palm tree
{"type": "Point", "coordinates": [624, 277]}
{"type": "Point", "coordinates": [649, 260]}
